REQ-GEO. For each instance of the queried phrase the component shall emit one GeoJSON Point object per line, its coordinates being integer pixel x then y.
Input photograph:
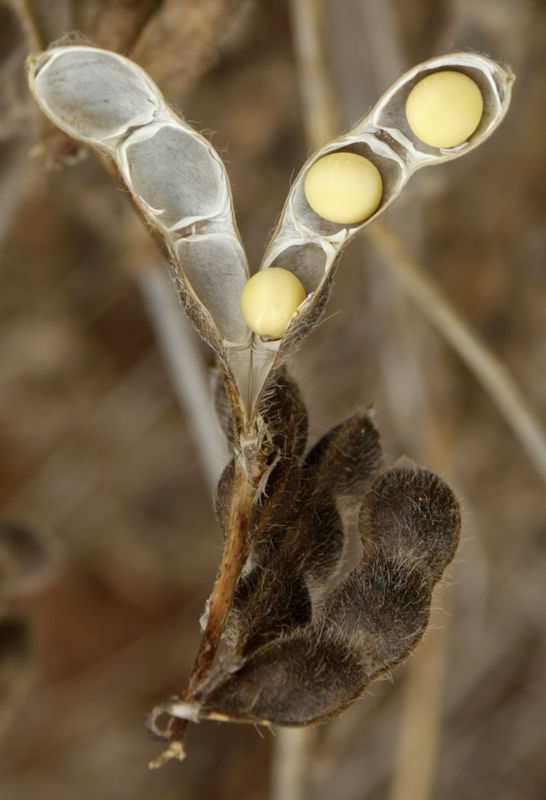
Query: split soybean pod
{"type": "Point", "coordinates": [181, 188]}
{"type": "Point", "coordinates": [443, 110]}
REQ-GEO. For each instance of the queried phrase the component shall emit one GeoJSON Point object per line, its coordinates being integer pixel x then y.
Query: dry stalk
{"type": "Point", "coordinates": [179, 346]}
{"type": "Point", "coordinates": [419, 733]}
{"type": "Point", "coordinates": [233, 558]}
{"type": "Point", "coordinates": [291, 763]}
{"type": "Point", "coordinates": [487, 368]}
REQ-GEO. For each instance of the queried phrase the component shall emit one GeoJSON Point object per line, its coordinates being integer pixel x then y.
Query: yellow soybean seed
{"type": "Point", "coordinates": [444, 109]}
{"type": "Point", "coordinates": [343, 187]}
{"type": "Point", "coordinates": [269, 299]}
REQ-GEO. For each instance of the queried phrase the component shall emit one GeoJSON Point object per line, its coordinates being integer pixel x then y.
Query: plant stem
{"type": "Point", "coordinates": [288, 780]}
{"type": "Point", "coordinates": [317, 91]}
{"type": "Point", "coordinates": [421, 721]}
{"type": "Point", "coordinates": [233, 558]}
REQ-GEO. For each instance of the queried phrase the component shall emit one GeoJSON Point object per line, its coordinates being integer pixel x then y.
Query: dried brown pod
{"type": "Point", "coordinates": [300, 534]}
{"type": "Point", "coordinates": [345, 460]}
{"type": "Point", "coordinates": [389, 519]}
{"type": "Point", "coordinates": [284, 420]}
{"type": "Point", "coordinates": [368, 624]}
{"type": "Point", "coordinates": [336, 475]}
{"type": "Point", "coordinates": [277, 602]}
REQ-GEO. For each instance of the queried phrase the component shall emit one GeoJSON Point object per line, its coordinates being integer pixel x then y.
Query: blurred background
{"type": "Point", "coordinates": [108, 544]}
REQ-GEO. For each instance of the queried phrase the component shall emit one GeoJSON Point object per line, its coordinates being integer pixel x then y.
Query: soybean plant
{"type": "Point", "coordinates": [300, 640]}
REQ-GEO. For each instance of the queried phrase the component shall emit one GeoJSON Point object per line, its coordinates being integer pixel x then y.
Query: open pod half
{"type": "Point", "coordinates": [175, 176]}
{"type": "Point", "coordinates": [308, 245]}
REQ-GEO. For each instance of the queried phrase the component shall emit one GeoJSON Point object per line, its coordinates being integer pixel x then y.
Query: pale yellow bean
{"type": "Point", "coordinates": [269, 300]}
{"type": "Point", "coordinates": [343, 187]}
{"type": "Point", "coordinates": [444, 109]}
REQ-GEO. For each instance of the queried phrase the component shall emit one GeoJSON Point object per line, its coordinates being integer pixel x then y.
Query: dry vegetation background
{"type": "Point", "coordinates": [97, 462]}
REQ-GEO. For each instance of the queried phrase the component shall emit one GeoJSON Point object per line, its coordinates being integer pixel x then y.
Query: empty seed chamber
{"type": "Point", "coordinates": [175, 176]}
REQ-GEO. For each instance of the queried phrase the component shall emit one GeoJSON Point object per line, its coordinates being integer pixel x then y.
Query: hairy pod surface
{"type": "Point", "coordinates": [284, 418]}
{"type": "Point", "coordinates": [410, 525]}
{"type": "Point", "coordinates": [303, 541]}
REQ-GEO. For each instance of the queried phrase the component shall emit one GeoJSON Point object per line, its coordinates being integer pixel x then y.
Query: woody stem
{"type": "Point", "coordinates": [233, 558]}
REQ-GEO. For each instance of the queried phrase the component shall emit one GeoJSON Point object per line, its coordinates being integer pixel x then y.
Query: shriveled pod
{"type": "Point", "coordinates": [175, 177]}
{"type": "Point", "coordinates": [307, 243]}
{"type": "Point", "coordinates": [316, 662]}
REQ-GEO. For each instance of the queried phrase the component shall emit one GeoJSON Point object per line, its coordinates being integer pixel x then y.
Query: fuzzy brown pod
{"type": "Point", "coordinates": [300, 552]}
{"type": "Point", "coordinates": [315, 659]}
{"type": "Point", "coordinates": [284, 419]}
{"type": "Point", "coordinates": [180, 186]}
